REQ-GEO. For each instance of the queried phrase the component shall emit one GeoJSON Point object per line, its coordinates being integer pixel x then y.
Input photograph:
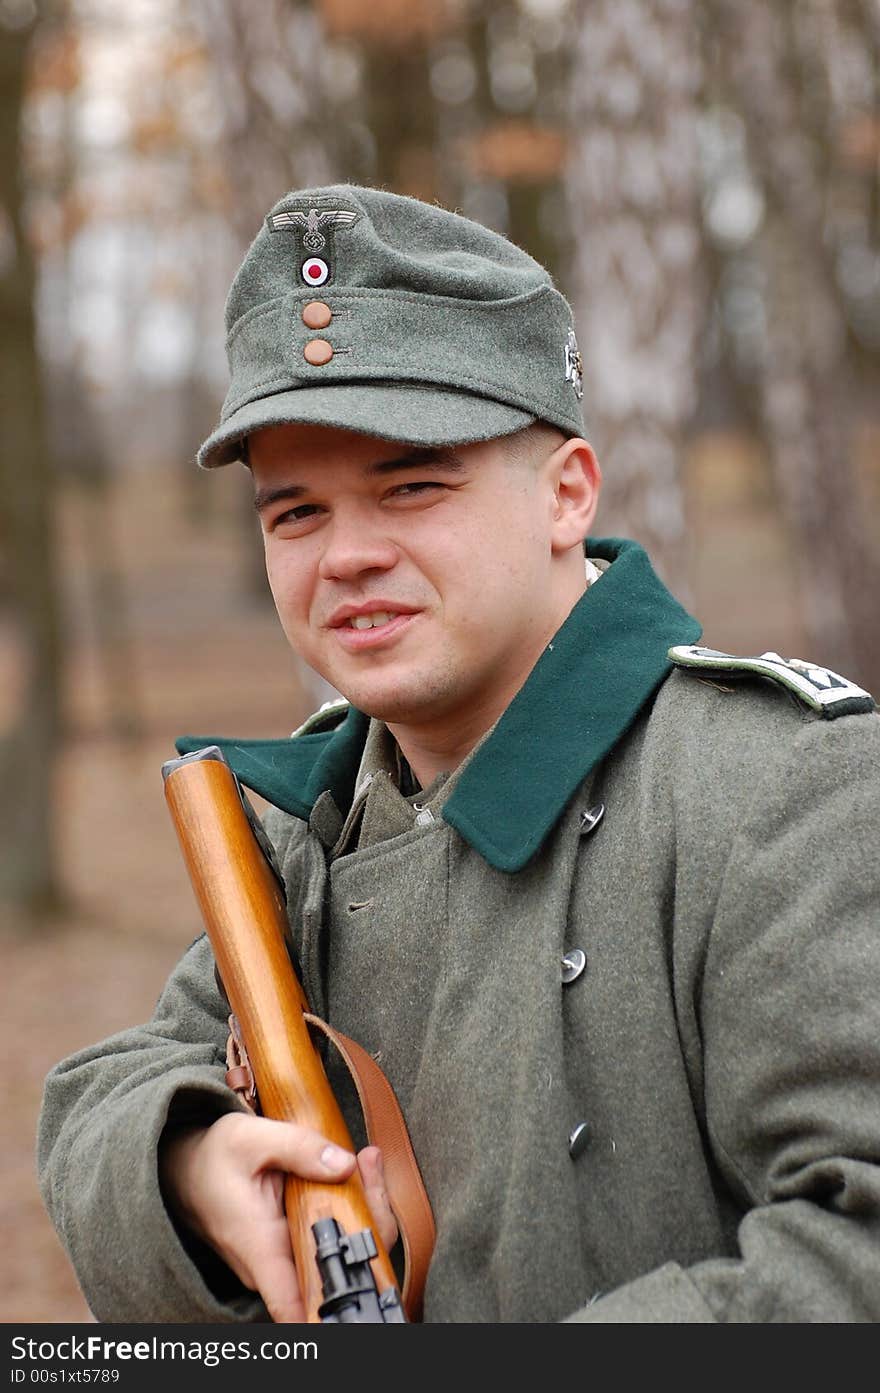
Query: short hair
{"type": "Point", "coordinates": [533, 443]}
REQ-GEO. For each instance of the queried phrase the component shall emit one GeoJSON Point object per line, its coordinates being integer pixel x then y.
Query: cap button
{"type": "Point", "coordinates": [318, 352]}
{"type": "Point", "coordinates": [316, 315]}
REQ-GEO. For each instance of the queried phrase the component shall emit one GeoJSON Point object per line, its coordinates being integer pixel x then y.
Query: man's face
{"type": "Point", "coordinates": [422, 584]}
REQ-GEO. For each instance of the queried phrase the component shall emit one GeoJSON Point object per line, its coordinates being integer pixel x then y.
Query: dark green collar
{"type": "Point", "coordinates": [584, 691]}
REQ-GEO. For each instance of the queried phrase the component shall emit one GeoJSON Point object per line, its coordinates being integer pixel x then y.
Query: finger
{"type": "Point", "coordinates": [288, 1146]}
{"type": "Point", "coordinates": [272, 1272]}
{"type": "Point", "coordinates": [373, 1176]}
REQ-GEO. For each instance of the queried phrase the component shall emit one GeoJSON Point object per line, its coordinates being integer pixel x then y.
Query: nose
{"type": "Point", "coordinates": [355, 543]}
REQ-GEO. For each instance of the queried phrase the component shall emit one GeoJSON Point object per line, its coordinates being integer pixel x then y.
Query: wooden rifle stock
{"type": "Point", "coordinates": [243, 909]}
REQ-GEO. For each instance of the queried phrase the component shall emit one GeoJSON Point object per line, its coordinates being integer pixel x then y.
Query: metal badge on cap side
{"type": "Point", "coordinates": [574, 365]}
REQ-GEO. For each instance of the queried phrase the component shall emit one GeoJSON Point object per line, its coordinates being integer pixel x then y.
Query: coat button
{"type": "Point", "coordinates": [316, 315]}
{"type": "Point", "coordinates": [573, 964]}
{"type": "Point", "coordinates": [591, 818]}
{"type": "Point", "coordinates": [578, 1140]}
{"type": "Point", "coordinates": [318, 352]}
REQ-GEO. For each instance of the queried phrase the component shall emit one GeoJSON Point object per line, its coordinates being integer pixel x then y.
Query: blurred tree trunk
{"type": "Point", "coordinates": [401, 118]}
{"type": "Point", "coordinates": [279, 128]}
{"type": "Point", "coordinates": [76, 444]}
{"type": "Point", "coordinates": [801, 76]}
{"type": "Point", "coordinates": [268, 61]}
{"type": "Point", "coordinates": [639, 287]}
{"type": "Point", "coordinates": [515, 140]}
{"type": "Point", "coordinates": [28, 879]}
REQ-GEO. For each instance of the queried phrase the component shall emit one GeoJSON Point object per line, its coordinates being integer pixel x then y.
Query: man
{"type": "Point", "coordinates": [604, 902]}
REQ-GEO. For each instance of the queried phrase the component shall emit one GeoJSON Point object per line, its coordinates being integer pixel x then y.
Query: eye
{"type": "Point", "coordinates": [415, 488]}
{"type": "Point", "coordinates": [293, 518]}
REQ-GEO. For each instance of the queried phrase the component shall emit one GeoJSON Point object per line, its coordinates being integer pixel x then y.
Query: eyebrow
{"type": "Point", "coordinates": [421, 457]}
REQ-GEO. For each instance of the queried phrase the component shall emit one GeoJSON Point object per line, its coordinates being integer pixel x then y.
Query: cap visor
{"type": "Point", "coordinates": [412, 413]}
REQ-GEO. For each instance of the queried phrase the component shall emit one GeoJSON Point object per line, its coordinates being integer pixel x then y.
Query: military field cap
{"type": "Point", "coordinates": [377, 313]}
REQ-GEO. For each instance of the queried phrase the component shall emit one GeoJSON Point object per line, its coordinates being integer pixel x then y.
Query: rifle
{"type": "Point", "coordinates": [345, 1273]}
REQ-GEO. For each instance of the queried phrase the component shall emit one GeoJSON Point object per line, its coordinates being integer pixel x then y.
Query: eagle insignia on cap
{"type": "Point", "coordinates": [574, 365]}
{"type": "Point", "coordinates": [314, 269]}
{"type": "Point", "coordinates": [313, 239]}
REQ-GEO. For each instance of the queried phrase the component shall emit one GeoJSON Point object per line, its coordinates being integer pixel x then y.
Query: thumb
{"type": "Point", "coordinates": [303, 1151]}
{"type": "Point", "coordinates": [373, 1176]}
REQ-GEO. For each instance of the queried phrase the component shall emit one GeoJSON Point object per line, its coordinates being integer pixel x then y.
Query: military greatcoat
{"type": "Point", "coordinates": [710, 842]}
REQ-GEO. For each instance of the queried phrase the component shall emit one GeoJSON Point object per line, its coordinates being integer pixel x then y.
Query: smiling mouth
{"type": "Point", "coordinates": [373, 629]}
{"type": "Point", "coordinates": [370, 621]}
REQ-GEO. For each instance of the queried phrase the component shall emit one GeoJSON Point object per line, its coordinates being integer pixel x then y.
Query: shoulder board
{"type": "Point", "coordinates": [817, 687]}
{"type": "Point", "coordinates": [328, 715]}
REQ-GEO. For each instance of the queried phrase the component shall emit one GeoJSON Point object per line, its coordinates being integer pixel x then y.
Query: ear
{"type": "Point", "coordinates": [576, 480]}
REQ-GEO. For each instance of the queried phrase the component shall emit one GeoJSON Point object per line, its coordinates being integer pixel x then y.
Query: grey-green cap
{"type": "Point", "coordinates": [370, 311]}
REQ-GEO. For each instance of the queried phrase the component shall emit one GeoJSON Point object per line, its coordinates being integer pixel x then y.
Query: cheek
{"type": "Point", "coordinates": [509, 558]}
{"type": "Point", "coordinates": [486, 561]}
{"type": "Point", "coordinates": [288, 585]}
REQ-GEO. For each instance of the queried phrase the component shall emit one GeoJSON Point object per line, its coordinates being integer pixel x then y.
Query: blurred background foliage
{"type": "Point", "coordinates": [700, 178]}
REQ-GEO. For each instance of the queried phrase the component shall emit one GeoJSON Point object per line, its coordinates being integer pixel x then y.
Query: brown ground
{"type": "Point", "coordinates": [206, 661]}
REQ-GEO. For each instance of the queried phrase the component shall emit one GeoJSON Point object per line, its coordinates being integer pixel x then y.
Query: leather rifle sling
{"type": "Point", "coordinates": [387, 1129]}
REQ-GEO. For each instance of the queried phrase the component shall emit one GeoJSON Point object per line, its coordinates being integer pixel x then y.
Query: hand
{"type": "Point", "coordinates": [226, 1183]}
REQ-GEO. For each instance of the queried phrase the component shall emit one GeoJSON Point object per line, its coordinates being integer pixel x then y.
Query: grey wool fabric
{"type": "Point", "coordinates": [722, 1043]}
{"type": "Point", "coordinates": [377, 313]}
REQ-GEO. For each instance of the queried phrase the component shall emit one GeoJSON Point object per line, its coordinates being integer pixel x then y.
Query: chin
{"type": "Point", "coordinates": [391, 703]}
{"type": "Point", "coordinates": [388, 708]}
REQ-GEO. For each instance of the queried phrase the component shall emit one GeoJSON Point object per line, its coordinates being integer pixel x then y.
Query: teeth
{"type": "Point", "coordinates": [370, 621]}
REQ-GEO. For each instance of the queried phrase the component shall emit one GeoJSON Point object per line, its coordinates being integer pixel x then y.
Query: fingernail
{"type": "Point", "coordinates": [334, 1158]}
